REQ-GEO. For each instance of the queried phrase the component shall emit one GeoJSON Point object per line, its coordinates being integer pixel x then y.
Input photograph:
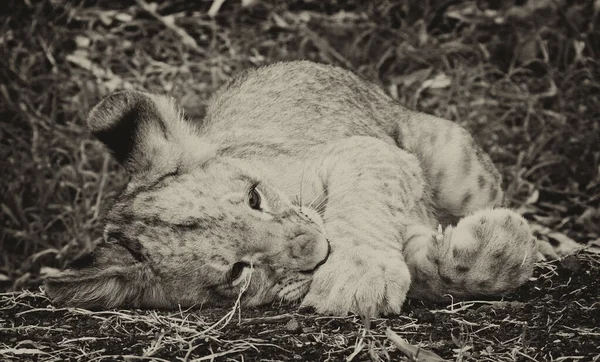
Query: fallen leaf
{"type": "Point", "coordinates": [566, 245]}
{"type": "Point", "coordinates": [248, 3]}
{"type": "Point", "coordinates": [47, 271]}
{"type": "Point", "coordinates": [106, 17]}
{"type": "Point", "coordinates": [579, 47]}
{"type": "Point", "coordinates": [439, 81]}
{"type": "Point", "coordinates": [532, 199]}
{"type": "Point", "coordinates": [529, 50]}
{"type": "Point", "coordinates": [123, 17]}
{"type": "Point", "coordinates": [412, 78]}
{"type": "Point", "coordinates": [590, 219]}
{"type": "Point", "coordinates": [593, 246]}
{"type": "Point", "coordinates": [279, 21]}
{"type": "Point", "coordinates": [546, 251]}
{"type": "Point", "coordinates": [533, 8]}
{"type": "Point", "coordinates": [82, 41]}
{"type": "Point", "coordinates": [293, 326]}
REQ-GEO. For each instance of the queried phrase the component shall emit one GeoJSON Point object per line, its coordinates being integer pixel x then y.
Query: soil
{"type": "Point", "coordinates": [556, 317]}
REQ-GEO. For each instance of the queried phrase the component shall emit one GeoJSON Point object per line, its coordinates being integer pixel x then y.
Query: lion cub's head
{"type": "Point", "coordinates": [191, 227]}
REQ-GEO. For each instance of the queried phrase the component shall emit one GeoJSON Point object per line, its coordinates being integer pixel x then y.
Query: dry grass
{"type": "Point", "coordinates": [554, 318]}
{"type": "Point", "coordinates": [525, 80]}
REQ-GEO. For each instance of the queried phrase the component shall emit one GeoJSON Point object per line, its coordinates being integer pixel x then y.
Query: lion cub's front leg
{"type": "Point", "coordinates": [369, 186]}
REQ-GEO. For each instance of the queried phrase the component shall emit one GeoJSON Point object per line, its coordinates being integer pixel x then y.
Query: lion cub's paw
{"type": "Point", "coordinates": [489, 252]}
{"type": "Point", "coordinates": [368, 283]}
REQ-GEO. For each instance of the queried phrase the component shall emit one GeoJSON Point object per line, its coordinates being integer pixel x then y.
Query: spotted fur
{"type": "Point", "coordinates": [370, 181]}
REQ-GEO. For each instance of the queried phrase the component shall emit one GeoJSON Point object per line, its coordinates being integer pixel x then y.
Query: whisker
{"type": "Point", "coordinates": [334, 196]}
{"type": "Point", "coordinates": [325, 189]}
{"type": "Point", "coordinates": [301, 185]}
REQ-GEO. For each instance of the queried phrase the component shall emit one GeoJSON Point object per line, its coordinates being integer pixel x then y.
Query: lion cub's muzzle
{"type": "Point", "coordinates": [309, 248]}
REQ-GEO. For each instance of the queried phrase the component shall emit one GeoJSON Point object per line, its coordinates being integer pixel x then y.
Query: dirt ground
{"type": "Point", "coordinates": [555, 317]}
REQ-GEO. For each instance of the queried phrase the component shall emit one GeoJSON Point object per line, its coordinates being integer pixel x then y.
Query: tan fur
{"type": "Point", "coordinates": [370, 182]}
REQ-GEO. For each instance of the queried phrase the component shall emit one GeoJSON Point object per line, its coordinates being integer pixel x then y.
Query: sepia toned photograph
{"type": "Point", "coordinates": [303, 180]}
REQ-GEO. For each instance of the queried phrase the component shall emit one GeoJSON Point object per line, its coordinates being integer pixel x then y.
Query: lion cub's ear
{"type": "Point", "coordinates": [147, 133]}
{"type": "Point", "coordinates": [108, 277]}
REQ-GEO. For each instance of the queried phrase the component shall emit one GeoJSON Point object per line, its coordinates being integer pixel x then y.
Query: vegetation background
{"type": "Point", "coordinates": [522, 75]}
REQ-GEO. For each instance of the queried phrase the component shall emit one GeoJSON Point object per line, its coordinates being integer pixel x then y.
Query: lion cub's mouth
{"type": "Point", "coordinates": [299, 287]}
{"type": "Point", "coordinates": [295, 290]}
{"type": "Point", "coordinates": [314, 216]}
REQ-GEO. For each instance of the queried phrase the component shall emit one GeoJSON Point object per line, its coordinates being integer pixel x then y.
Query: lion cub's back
{"type": "Point", "coordinates": [299, 101]}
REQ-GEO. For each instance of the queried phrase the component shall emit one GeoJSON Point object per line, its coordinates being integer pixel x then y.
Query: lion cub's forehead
{"type": "Point", "coordinates": [195, 192]}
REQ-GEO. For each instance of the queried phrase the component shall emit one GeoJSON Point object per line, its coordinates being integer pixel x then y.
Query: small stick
{"type": "Point", "coordinates": [214, 8]}
{"type": "Point", "coordinates": [169, 22]}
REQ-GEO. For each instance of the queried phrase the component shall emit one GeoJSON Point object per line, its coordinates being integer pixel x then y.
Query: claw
{"type": "Point", "coordinates": [439, 237]}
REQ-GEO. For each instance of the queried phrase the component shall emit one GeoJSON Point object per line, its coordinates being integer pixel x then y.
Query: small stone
{"type": "Point", "coordinates": [293, 326]}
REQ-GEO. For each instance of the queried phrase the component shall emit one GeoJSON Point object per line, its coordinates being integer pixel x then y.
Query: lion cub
{"type": "Point", "coordinates": [303, 181]}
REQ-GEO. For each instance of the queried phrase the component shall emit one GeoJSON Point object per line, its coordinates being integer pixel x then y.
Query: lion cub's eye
{"type": "Point", "coordinates": [254, 199]}
{"type": "Point", "coordinates": [238, 273]}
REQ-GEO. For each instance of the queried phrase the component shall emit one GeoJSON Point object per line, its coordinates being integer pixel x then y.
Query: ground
{"type": "Point", "coordinates": [556, 315]}
{"type": "Point", "coordinates": [523, 76]}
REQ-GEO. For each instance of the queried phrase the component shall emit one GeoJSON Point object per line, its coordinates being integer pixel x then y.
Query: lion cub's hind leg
{"type": "Point", "coordinates": [461, 176]}
{"type": "Point", "coordinates": [490, 252]}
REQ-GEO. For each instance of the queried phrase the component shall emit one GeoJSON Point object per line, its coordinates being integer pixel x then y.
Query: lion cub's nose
{"type": "Point", "coordinates": [310, 247]}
